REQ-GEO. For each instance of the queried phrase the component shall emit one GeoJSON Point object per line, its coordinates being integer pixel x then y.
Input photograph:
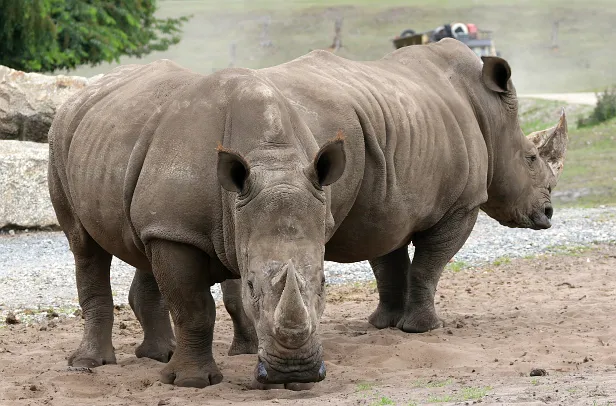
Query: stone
{"type": "Point", "coordinates": [28, 102]}
{"type": "Point", "coordinates": [24, 195]}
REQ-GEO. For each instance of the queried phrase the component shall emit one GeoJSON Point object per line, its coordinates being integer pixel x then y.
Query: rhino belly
{"type": "Point", "coordinates": [96, 167]}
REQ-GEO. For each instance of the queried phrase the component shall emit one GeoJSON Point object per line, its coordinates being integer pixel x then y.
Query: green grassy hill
{"type": "Point", "coordinates": [522, 31]}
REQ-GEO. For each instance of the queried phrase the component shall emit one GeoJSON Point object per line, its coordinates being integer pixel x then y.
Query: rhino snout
{"type": "Point", "coordinates": [265, 374]}
{"type": "Point", "coordinates": [541, 218]}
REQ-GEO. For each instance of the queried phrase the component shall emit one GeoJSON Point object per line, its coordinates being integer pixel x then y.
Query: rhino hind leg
{"type": "Point", "coordinates": [92, 266]}
{"type": "Point", "coordinates": [184, 276]}
{"type": "Point", "coordinates": [244, 334]}
{"type": "Point", "coordinates": [409, 304]}
{"type": "Point", "coordinates": [153, 315]}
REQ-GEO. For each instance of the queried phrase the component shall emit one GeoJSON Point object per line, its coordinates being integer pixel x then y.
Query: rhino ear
{"type": "Point", "coordinates": [330, 161]}
{"type": "Point", "coordinates": [232, 170]}
{"type": "Point", "coordinates": [552, 144]}
{"type": "Point", "coordinates": [496, 73]}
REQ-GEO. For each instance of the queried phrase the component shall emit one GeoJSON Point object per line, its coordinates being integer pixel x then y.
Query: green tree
{"type": "Point", "coordinates": [47, 35]}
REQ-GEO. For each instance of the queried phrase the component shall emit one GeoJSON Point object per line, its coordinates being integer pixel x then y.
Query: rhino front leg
{"type": "Point", "coordinates": [391, 273]}
{"type": "Point", "coordinates": [153, 315]}
{"type": "Point", "coordinates": [409, 304]}
{"type": "Point", "coordinates": [244, 334]}
{"type": "Point", "coordinates": [184, 275]}
{"type": "Point", "coordinates": [92, 265]}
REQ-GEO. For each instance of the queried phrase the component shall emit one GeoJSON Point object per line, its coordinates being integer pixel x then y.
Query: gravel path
{"type": "Point", "coordinates": [36, 269]}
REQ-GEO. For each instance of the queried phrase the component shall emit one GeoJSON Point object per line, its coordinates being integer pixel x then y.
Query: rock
{"type": "Point", "coordinates": [28, 102]}
{"type": "Point", "coordinates": [538, 372]}
{"type": "Point", "coordinates": [24, 196]}
{"type": "Point", "coordinates": [11, 319]}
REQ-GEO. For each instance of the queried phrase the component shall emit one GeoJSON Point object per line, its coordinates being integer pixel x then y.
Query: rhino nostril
{"type": "Point", "coordinates": [548, 212]}
{"type": "Point", "coordinates": [261, 372]}
{"type": "Point", "coordinates": [322, 371]}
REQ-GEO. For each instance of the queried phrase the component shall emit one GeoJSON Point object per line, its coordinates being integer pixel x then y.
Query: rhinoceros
{"type": "Point", "coordinates": [261, 175]}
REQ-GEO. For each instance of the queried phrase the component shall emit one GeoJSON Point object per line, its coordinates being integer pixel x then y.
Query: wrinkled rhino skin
{"type": "Point", "coordinates": [262, 174]}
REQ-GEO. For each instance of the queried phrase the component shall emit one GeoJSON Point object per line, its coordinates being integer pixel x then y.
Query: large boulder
{"type": "Point", "coordinates": [28, 102]}
{"type": "Point", "coordinates": [24, 197]}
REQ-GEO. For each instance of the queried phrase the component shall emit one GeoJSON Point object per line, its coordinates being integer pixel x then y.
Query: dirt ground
{"type": "Point", "coordinates": [555, 313]}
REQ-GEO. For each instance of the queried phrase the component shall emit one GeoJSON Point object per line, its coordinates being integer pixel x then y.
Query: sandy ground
{"type": "Point", "coordinates": [555, 313]}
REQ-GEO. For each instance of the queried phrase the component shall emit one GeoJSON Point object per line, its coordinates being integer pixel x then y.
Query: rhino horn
{"type": "Point", "coordinates": [552, 144]}
{"type": "Point", "coordinates": [291, 318]}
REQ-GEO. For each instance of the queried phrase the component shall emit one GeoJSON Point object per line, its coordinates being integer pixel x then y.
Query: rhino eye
{"type": "Point", "coordinates": [251, 288]}
{"type": "Point", "coordinates": [531, 158]}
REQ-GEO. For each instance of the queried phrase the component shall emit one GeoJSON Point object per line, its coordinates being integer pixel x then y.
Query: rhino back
{"type": "Point", "coordinates": [414, 148]}
{"type": "Point", "coordinates": [98, 132]}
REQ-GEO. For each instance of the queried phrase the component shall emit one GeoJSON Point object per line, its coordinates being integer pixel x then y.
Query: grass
{"type": "Point", "coordinates": [537, 114]}
{"type": "Point", "coordinates": [589, 177]}
{"type": "Point", "coordinates": [383, 400]}
{"type": "Point", "coordinates": [439, 384]}
{"type": "Point", "coordinates": [472, 393]}
{"type": "Point", "coordinates": [501, 261]}
{"type": "Point", "coordinates": [522, 31]}
{"type": "Point", "coordinates": [420, 383]}
{"type": "Point", "coordinates": [456, 266]}
{"type": "Point", "coordinates": [364, 386]}
{"type": "Point", "coordinates": [467, 394]}
{"type": "Point", "coordinates": [570, 250]}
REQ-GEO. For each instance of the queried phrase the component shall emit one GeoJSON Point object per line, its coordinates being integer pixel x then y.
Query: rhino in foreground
{"type": "Point", "coordinates": [263, 174]}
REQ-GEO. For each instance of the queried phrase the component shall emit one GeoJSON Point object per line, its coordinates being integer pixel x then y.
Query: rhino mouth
{"type": "Point", "coordinates": [541, 219]}
{"type": "Point", "coordinates": [272, 369]}
{"type": "Point", "coordinates": [538, 220]}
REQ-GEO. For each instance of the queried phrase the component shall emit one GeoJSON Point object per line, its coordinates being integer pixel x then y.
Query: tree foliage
{"type": "Point", "coordinates": [47, 35]}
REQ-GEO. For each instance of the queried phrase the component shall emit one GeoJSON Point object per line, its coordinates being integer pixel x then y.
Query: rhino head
{"type": "Point", "coordinates": [524, 170]}
{"type": "Point", "coordinates": [281, 221]}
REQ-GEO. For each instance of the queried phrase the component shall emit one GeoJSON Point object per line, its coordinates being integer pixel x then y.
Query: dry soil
{"type": "Point", "coordinates": [554, 313]}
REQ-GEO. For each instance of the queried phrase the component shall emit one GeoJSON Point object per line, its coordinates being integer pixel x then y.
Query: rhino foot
{"type": "Point", "coordinates": [419, 321]}
{"type": "Point", "coordinates": [86, 356]}
{"type": "Point", "coordinates": [414, 321]}
{"type": "Point", "coordinates": [159, 350]}
{"type": "Point", "coordinates": [241, 345]}
{"type": "Point", "coordinates": [191, 375]}
{"type": "Point", "coordinates": [294, 386]}
{"type": "Point", "coordinates": [383, 317]}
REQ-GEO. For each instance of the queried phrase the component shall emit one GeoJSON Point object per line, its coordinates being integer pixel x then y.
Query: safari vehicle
{"type": "Point", "coordinates": [480, 41]}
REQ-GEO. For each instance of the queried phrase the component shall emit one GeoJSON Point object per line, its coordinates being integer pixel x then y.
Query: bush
{"type": "Point", "coordinates": [604, 110]}
{"type": "Point", "coordinates": [48, 35]}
